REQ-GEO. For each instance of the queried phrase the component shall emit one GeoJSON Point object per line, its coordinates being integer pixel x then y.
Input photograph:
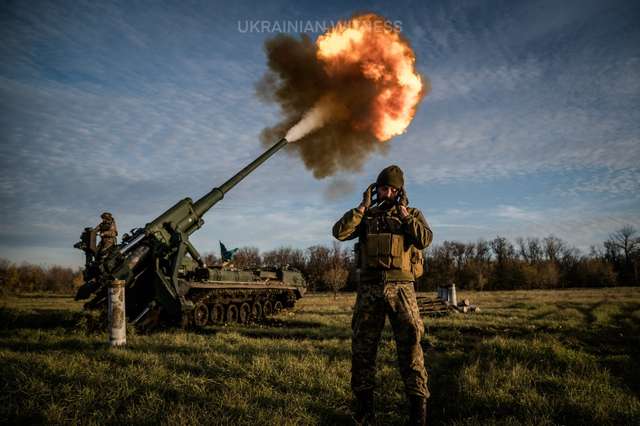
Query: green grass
{"type": "Point", "coordinates": [529, 357]}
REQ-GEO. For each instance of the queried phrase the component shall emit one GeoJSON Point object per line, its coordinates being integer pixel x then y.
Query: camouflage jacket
{"type": "Point", "coordinates": [107, 229]}
{"type": "Point", "coordinates": [415, 228]}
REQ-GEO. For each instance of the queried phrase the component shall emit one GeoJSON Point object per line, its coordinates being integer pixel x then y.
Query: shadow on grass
{"type": "Point", "coordinates": [614, 344]}
{"type": "Point", "coordinates": [286, 323]}
{"type": "Point", "coordinates": [327, 313]}
{"type": "Point", "coordinates": [326, 332]}
{"type": "Point", "coordinates": [69, 344]}
{"type": "Point", "coordinates": [44, 296]}
{"type": "Point", "coordinates": [586, 309]}
{"type": "Point", "coordinates": [29, 380]}
{"type": "Point", "coordinates": [443, 366]}
{"type": "Point", "coordinates": [523, 305]}
{"type": "Point", "coordinates": [46, 319]}
{"type": "Point", "coordinates": [329, 415]}
{"type": "Point", "coordinates": [617, 345]}
{"type": "Point", "coordinates": [89, 323]}
{"type": "Point", "coordinates": [274, 328]}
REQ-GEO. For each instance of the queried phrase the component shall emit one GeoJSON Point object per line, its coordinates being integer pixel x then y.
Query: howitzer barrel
{"type": "Point", "coordinates": [186, 216]}
{"type": "Point", "coordinates": [201, 206]}
{"type": "Point", "coordinates": [160, 247]}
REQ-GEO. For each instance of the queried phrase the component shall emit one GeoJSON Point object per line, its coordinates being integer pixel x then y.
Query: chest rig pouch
{"type": "Point", "coordinates": [384, 245]}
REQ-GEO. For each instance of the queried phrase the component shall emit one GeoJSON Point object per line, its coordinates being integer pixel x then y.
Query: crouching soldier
{"type": "Point", "coordinates": [391, 236]}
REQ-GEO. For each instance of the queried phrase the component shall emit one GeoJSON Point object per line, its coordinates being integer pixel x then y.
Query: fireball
{"type": "Point", "coordinates": [375, 49]}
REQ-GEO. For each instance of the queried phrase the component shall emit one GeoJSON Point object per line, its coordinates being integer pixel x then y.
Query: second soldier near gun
{"type": "Point", "coordinates": [108, 232]}
{"type": "Point", "coordinates": [391, 237]}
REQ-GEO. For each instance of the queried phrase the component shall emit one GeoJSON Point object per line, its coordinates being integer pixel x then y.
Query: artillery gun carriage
{"type": "Point", "coordinates": [166, 280]}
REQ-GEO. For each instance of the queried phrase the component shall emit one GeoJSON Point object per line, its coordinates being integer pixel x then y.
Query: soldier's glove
{"type": "Point", "coordinates": [367, 196]}
{"type": "Point", "coordinates": [403, 200]}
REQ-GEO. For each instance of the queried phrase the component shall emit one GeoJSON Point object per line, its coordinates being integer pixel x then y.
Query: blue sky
{"type": "Point", "coordinates": [532, 126]}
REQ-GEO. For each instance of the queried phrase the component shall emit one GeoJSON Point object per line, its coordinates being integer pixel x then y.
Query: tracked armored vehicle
{"type": "Point", "coordinates": [166, 280]}
{"type": "Point", "coordinates": [227, 295]}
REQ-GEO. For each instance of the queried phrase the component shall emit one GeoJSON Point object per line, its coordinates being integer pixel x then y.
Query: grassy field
{"type": "Point", "coordinates": [529, 357]}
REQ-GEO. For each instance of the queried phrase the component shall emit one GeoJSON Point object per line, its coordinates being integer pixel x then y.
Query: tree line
{"type": "Point", "coordinates": [324, 268]}
{"type": "Point", "coordinates": [534, 263]}
{"type": "Point", "coordinates": [497, 264]}
{"type": "Point", "coordinates": [30, 278]}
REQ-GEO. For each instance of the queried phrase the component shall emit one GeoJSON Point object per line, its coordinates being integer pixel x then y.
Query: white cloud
{"type": "Point", "coordinates": [517, 213]}
{"type": "Point", "coordinates": [166, 109]}
{"type": "Point", "coordinates": [495, 79]}
{"type": "Point", "coordinates": [581, 225]}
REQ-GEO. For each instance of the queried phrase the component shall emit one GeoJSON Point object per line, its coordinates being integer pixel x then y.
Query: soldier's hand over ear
{"type": "Point", "coordinates": [403, 202]}
{"type": "Point", "coordinates": [367, 197]}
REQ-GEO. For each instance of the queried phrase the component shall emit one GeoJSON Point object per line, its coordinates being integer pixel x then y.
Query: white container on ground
{"type": "Point", "coordinates": [453, 299]}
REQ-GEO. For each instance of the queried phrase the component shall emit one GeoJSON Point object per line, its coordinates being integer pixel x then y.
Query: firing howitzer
{"type": "Point", "coordinates": [153, 261]}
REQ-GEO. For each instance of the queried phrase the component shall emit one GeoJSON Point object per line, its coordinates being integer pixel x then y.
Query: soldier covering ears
{"type": "Point", "coordinates": [391, 236]}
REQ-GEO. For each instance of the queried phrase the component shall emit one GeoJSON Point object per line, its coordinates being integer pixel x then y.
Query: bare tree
{"type": "Point", "coordinates": [535, 251]}
{"type": "Point", "coordinates": [210, 259]}
{"type": "Point", "coordinates": [461, 252]}
{"type": "Point", "coordinates": [626, 241]}
{"type": "Point", "coordinates": [482, 251]}
{"type": "Point", "coordinates": [625, 244]}
{"type": "Point", "coordinates": [523, 250]}
{"type": "Point", "coordinates": [336, 273]}
{"type": "Point", "coordinates": [596, 252]}
{"type": "Point", "coordinates": [336, 278]}
{"type": "Point", "coordinates": [318, 259]}
{"type": "Point", "coordinates": [502, 249]}
{"type": "Point", "coordinates": [553, 247]}
{"type": "Point", "coordinates": [285, 256]}
{"type": "Point", "coordinates": [247, 258]}
{"type": "Point", "coordinates": [440, 264]}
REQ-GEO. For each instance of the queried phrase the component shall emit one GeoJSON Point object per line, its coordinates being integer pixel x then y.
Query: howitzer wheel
{"type": "Point", "coordinates": [256, 311]}
{"type": "Point", "coordinates": [232, 313]}
{"type": "Point", "coordinates": [267, 308]}
{"type": "Point", "coordinates": [245, 313]}
{"type": "Point", "coordinates": [217, 313]}
{"type": "Point", "coordinates": [277, 307]}
{"type": "Point", "coordinates": [200, 315]}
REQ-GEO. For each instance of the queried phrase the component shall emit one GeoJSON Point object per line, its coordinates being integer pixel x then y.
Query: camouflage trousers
{"type": "Point", "coordinates": [374, 302]}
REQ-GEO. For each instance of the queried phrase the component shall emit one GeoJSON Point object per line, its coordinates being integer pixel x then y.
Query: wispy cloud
{"type": "Point", "coordinates": [117, 108]}
{"type": "Point", "coordinates": [513, 212]}
{"type": "Point", "coordinates": [579, 225]}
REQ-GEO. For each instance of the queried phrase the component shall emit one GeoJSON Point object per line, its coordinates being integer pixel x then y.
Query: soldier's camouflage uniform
{"type": "Point", "coordinates": [387, 290]}
{"type": "Point", "coordinates": [108, 233]}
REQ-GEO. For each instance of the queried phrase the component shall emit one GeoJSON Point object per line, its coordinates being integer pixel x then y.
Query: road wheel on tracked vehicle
{"type": "Point", "coordinates": [256, 311]}
{"type": "Point", "coordinates": [267, 308]}
{"type": "Point", "coordinates": [277, 307]}
{"type": "Point", "coordinates": [232, 313]}
{"type": "Point", "coordinates": [245, 313]}
{"type": "Point", "coordinates": [217, 313]}
{"type": "Point", "coordinates": [200, 315]}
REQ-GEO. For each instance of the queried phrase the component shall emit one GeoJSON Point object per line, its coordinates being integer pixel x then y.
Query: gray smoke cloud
{"type": "Point", "coordinates": [339, 188]}
{"type": "Point", "coordinates": [297, 82]}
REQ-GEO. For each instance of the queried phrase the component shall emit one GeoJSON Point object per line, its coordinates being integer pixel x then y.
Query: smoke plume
{"type": "Point", "coordinates": [338, 188]}
{"type": "Point", "coordinates": [355, 87]}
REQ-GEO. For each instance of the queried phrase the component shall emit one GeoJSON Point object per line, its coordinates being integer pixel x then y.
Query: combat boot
{"type": "Point", "coordinates": [418, 410]}
{"type": "Point", "coordinates": [365, 413]}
